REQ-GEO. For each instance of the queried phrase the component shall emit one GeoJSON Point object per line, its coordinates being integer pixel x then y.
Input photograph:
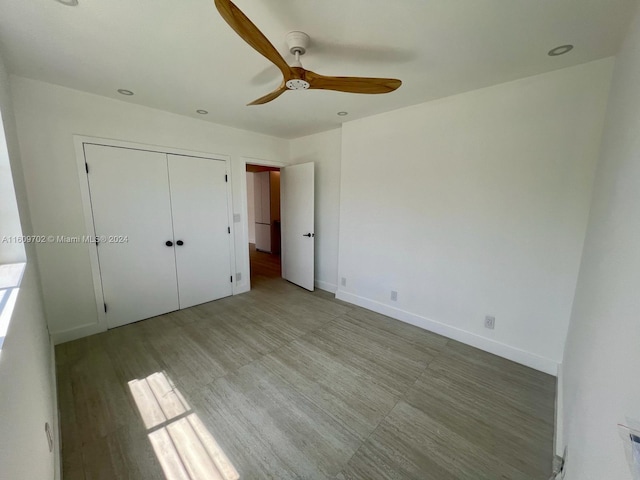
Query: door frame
{"type": "Point", "coordinates": [79, 141]}
{"type": "Point", "coordinates": [246, 286]}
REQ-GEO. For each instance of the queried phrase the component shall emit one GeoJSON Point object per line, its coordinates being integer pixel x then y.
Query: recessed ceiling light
{"type": "Point", "coordinates": [68, 3]}
{"type": "Point", "coordinates": [202, 112]}
{"type": "Point", "coordinates": [342, 114]}
{"type": "Point", "coordinates": [561, 50]}
{"type": "Point", "coordinates": [122, 91]}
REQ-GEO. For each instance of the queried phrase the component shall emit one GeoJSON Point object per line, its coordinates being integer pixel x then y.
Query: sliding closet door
{"type": "Point", "coordinates": [201, 223]}
{"type": "Point", "coordinates": [132, 209]}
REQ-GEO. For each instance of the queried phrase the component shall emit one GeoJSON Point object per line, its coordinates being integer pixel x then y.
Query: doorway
{"type": "Point", "coordinates": [263, 201]}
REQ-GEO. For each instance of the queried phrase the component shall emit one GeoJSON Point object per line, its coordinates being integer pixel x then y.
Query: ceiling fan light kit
{"type": "Point", "coordinates": [295, 76]}
{"type": "Point", "coordinates": [297, 84]}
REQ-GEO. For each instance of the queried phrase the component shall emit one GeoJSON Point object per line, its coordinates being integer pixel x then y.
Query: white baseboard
{"type": "Point", "coordinates": [502, 350]}
{"type": "Point", "coordinates": [326, 286]}
{"type": "Point", "coordinates": [75, 333]}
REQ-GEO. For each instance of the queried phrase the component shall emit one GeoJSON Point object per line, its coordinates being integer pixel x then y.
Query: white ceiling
{"type": "Point", "coordinates": [181, 56]}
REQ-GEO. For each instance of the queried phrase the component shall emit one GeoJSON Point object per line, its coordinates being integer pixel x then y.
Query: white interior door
{"type": "Point", "coordinates": [201, 228]}
{"type": "Point", "coordinates": [297, 212]}
{"type": "Point", "coordinates": [136, 266]}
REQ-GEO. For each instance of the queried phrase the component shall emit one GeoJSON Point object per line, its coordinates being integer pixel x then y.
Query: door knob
{"type": "Point", "coordinates": [169, 243]}
{"type": "Point", "coordinates": [179, 243]}
{"type": "Point", "coordinates": [309, 235]}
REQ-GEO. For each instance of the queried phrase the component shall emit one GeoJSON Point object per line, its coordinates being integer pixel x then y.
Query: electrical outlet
{"type": "Point", "coordinates": [490, 322]}
{"type": "Point", "coordinates": [343, 281]}
{"type": "Point", "coordinates": [394, 296]}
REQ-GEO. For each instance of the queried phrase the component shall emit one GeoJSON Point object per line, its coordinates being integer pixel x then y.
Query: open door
{"type": "Point", "coordinates": [297, 212]}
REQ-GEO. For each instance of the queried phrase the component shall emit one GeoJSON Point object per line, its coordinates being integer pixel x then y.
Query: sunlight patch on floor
{"type": "Point", "coordinates": [185, 448]}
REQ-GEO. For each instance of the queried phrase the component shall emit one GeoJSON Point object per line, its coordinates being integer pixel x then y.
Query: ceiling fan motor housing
{"type": "Point", "coordinates": [297, 42]}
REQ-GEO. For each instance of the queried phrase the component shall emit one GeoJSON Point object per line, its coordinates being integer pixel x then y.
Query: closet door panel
{"type": "Point", "coordinates": [131, 207]}
{"type": "Point", "coordinates": [200, 222]}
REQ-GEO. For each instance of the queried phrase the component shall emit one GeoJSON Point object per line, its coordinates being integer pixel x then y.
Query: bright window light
{"type": "Point", "coordinates": [10, 277]}
{"type": "Point", "coordinates": [185, 448]}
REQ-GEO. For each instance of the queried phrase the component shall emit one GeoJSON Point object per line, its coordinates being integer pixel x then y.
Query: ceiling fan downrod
{"type": "Point", "coordinates": [297, 43]}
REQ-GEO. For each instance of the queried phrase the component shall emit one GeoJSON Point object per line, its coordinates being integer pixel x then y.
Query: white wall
{"type": "Point", "coordinates": [251, 208]}
{"type": "Point", "coordinates": [27, 386]}
{"type": "Point", "coordinates": [602, 354]}
{"type": "Point", "coordinates": [325, 150]}
{"type": "Point", "coordinates": [27, 395]}
{"type": "Point", "coordinates": [47, 117]}
{"type": "Point", "coordinates": [476, 205]}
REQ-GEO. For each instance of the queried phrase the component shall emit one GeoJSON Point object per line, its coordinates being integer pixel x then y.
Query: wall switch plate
{"type": "Point", "coordinates": [490, 322]}
{"type": "Point", "coordinates": [238, 276]}
{"type": "Point", "coordinates": [394, 296]}
{"type": "Point", "coordinates": [236, 218]}
{"type": "Point", "coordinates": [343, 281]}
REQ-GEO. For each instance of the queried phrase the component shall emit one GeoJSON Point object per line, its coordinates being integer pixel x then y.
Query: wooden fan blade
{"type": "Point", "coordinates": [251, 34]}
{"type": "Point", "coordinates": [271, 96]}
{"type": "Point", "coordinates": [352, 84]}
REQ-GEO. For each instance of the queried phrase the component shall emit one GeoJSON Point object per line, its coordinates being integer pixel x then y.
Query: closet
{"type": "Point", "coordinates": [163, 230]}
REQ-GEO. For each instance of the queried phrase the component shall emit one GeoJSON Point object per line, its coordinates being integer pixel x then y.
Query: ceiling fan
{"type": "Point", "coordinates": [295, 77]}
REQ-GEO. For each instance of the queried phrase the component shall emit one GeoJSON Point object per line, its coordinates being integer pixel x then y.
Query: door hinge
{"type": "Point", "coordinates": [105, 308]}
{"type": "Point", "coordinates": [226, 178]}
{"type": "Point", "coordinates": [86, 167]}
{"type": "Point", "coordinates": [228, 229]}
{"type": "Point", "coordinates": [231, 278]}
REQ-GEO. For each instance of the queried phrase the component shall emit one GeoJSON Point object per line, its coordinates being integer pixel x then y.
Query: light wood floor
{"type": "Point", "coordinates": [264, 266]}
{"type": "Point", "coordinates": [281, 383]}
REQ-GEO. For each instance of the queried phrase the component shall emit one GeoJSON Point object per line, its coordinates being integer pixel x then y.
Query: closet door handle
{"type": "Point", "coordinates": [179, 243]}
{"type": "Point", "coordinates": [169, 243]}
